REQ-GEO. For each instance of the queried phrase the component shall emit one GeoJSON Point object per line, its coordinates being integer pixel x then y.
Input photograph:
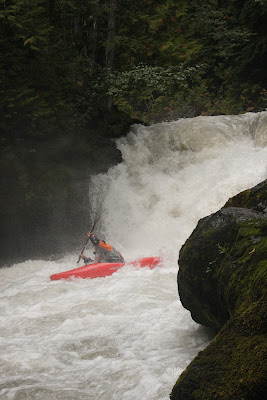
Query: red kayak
{"type": "Point", "coordinates": [100, 270]}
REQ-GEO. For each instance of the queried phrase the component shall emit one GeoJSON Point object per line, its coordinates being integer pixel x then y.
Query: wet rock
{"type": "Point", "coordinates": [222, 281]}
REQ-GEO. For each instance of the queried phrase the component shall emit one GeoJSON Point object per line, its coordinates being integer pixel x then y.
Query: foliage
{"type": "Point", "coordinates": [21, 42]}
{"type": "Point", "coordinates": [234, 49]}
{"type": "Point", "coordinates": [54, 53]}
{"type": "Point", "coordinates": [139, 90]}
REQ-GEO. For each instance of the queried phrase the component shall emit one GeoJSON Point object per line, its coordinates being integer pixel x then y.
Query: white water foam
{"type": "Point", "coordinates": [127, 336]}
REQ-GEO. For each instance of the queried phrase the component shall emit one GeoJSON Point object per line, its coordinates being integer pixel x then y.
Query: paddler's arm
{"type": "Point", "coordinates": [85, 259]}
{"type": "Point", "coordinates": [93, 238]}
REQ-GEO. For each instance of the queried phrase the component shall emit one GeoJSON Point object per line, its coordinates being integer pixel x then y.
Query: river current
{"type": "Point", "coordinates": [127, 336]}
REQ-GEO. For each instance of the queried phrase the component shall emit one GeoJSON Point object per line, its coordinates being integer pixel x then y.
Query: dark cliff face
{"type": "Point", "coordinates": [222, 281]}
{"type": "Point", "coordinates": [45, 182]}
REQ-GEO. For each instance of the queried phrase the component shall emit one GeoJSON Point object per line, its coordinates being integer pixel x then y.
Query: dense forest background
{"type": "Point", "coordinates": [76, 74]}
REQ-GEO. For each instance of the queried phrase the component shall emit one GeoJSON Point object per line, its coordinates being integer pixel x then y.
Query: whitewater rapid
{"type": "Point", "coordinates": [127, 336]}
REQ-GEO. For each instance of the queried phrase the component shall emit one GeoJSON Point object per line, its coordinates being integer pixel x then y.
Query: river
{"type": "Point", "coordinates": [127, 336]}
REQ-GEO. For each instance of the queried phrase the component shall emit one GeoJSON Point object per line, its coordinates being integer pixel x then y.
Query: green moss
{"type": "Point", "coordinates": [248, 255]}
{"type": "Point", "coordinates": [248, 231]}
{"type": "Point", "coordinates": [232, 367]}
{"type": "Point", "coordinates": [251, 198]}
{"type": "Point", "coordinates": [210, 232]}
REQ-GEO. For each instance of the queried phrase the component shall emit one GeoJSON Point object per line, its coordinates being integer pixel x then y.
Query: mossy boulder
{"type": "Point", "coordinates": [222, 281]}
{"type": "Point", "coordinates": [254, 198]}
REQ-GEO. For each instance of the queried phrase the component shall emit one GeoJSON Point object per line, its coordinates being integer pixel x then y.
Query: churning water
{"type": "Point", "coordinates": [127, 336]}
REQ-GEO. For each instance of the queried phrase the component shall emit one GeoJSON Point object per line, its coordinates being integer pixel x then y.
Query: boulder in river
{"type": "Point", "coordinates": [222, 281]}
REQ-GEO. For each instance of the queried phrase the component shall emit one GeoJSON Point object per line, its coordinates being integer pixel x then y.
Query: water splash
{"type": "Point", "coordinates": [174, 173]}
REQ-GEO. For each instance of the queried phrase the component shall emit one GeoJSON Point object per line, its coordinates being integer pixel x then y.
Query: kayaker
{"type": "Point", "coordinates": [103, 252]}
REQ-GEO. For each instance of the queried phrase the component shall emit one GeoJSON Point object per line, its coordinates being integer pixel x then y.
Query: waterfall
{"type": "Point", "coordinates": [127, 336]}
